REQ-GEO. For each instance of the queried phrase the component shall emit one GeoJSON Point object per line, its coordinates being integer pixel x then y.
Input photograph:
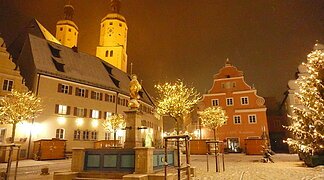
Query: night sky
{"type": "Point", "coordinates": [191, 39]}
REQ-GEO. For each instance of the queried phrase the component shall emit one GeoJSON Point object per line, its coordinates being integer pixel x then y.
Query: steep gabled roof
{"type": "Point", "coordinates": [62, 62]}
{"type": "Point", "coordinates": [34, 28]}
{"type": "Point", "coordinates": [51, 58]}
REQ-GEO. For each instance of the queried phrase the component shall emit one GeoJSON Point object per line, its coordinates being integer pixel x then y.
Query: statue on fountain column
{"type": "Point", "coordinates": [134, 88]}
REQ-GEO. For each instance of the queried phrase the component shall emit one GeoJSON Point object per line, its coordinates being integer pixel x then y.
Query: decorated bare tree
{"type": "Point", "coordinates": [114, 123]}
{"type": "Point", "coordinates": [176, 100]}
{"type": "Point", "coordinates": [17, 107]}
{"type": "Point", "coordinates": [212, 118]}
{"type": "Point", "coordinates": [308, 119]}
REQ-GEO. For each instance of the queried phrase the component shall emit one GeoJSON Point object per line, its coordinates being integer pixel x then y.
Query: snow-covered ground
{"type": "Point", "coordinates": [237, 167]}
{"type": "Point", "coordinates": [240, 166]}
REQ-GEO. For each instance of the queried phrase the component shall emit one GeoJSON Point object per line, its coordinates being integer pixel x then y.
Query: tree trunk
{"type": "Point", "coordinates": [115, 134]}
{"type": "Point", "coordinates": [13, 132]}
{"type": "Point", "coordinates": [214, 133]}
{"type": "Point", "coordinates": [177, 124]}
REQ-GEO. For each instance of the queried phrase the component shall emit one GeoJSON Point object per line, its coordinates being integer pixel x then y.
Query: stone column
{"type": "Point", "coordinates": [133, 134]}
{"type": "Point", "coordinates": [144, 160]}
{"type": "Point", "coordinates": [78, 155]}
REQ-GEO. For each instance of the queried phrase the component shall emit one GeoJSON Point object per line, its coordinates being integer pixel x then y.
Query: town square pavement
{"type": "Point", "coordinates": [237, 167]}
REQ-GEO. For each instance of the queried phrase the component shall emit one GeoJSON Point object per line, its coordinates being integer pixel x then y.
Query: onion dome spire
{"type": "Point", "coordinates": [68, 11]}
{"type": "Point", "coordinates": [115, 6]}
{"type": "Point", "coordinates": [228, 63]}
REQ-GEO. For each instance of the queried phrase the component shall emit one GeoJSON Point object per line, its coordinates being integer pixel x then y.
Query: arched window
{"type": "Point", "coordinates": [107, 53]}
{"type": "Point", "coordinates": [111, 53]}
{"type": "Point", "coordinates": [60, 133]}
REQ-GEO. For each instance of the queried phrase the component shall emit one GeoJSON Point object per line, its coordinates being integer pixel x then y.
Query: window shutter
{"type": "Point", "coordinates": [100, 96]}
{"type": "Point", "coordinates": [76, 91]}
{"type": "Point", "coordinates": [85, 112]}
{"type": "Point", "coordinates": [86, 93]}
{"type": "Point", "coordinates": [106, 97]}
{"type": "Point", "coordinates": [70, 89]}
{"type": "Point", "coordinates": [105, 115]}
{"type": "Point", "coordinates": [68, 110]}
{"type": "Point", "coordinates": [75, 111]}
{"type": "Point", "coordinates": [90, 114]}
{"type": "Point", "coordinates": [56, 108]}
{"type": "Point", "coordinates": [59, 87]}
{"type": "Point", "coordinates": [92, 94]}
{"type": "Point", "coordinates": [99, 115]}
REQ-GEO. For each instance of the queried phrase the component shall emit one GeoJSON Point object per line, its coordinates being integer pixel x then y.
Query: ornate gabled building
{"type": "Point", "coordinates": [245, 109]}
{"type": "Point", "coordinates": [79, 91]}
{"type": "Point", "coordinates": [10, 78]}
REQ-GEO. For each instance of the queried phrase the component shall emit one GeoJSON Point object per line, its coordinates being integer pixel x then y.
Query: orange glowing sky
{"type": "Point", "coordinates": [191, 39]}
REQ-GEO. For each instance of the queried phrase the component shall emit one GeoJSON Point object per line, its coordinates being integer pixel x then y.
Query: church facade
{"type": "Point", "coordinates": [245, 109]}
{"type": "Point", "coordinates": [78, 91]}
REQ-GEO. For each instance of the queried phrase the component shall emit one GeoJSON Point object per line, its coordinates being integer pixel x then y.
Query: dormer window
{"type": "Point", "coordinates": [55, 52]}
{"type": "Point", "coordinates": [59, 66]}
{"type": "Point", "coordinates": [115, 81]}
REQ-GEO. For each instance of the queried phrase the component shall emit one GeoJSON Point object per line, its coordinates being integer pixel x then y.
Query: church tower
{"type": "Point", "coordinates": [66, 30]}
{"type": "Point", "coordinates": [113, 38]}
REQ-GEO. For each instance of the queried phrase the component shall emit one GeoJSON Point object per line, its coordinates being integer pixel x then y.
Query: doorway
{"type": "Point", "coordinates": [233, 145]}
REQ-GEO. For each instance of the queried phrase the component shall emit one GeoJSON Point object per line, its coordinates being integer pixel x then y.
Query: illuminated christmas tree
{"type": "Point", "coordinates": [114, 123]}
{"type": "Point", "coordinates": [17, 107]}
{"type": "Point", "coordinates": [308, 119]}
{"type": "Point", "coordinates": [212, 118]}
{"type": "Point", "coordinates": [176, 100]}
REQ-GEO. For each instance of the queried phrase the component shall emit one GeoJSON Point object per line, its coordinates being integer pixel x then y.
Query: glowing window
{"type": "Point", "coordinates": [95, 114]}
{"type": "Point", "coordinates": [62, 109]}
{"type": "Point", "coordinates": [108, 115]}
{"type": "Point", "coordinates": [60, 133]}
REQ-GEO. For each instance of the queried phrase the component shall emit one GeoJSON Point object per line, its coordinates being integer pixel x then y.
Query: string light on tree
{"type": "Point", "coordinates": [308, 120]}
{"type": "Point", "coordinates": [176, 100]}
{"type": "Point", "coordinates": [212, 118]}
{"type": "Point", "coordinates": [113, 124]}
{"type": "Point", "coordinates": [17, 107]}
